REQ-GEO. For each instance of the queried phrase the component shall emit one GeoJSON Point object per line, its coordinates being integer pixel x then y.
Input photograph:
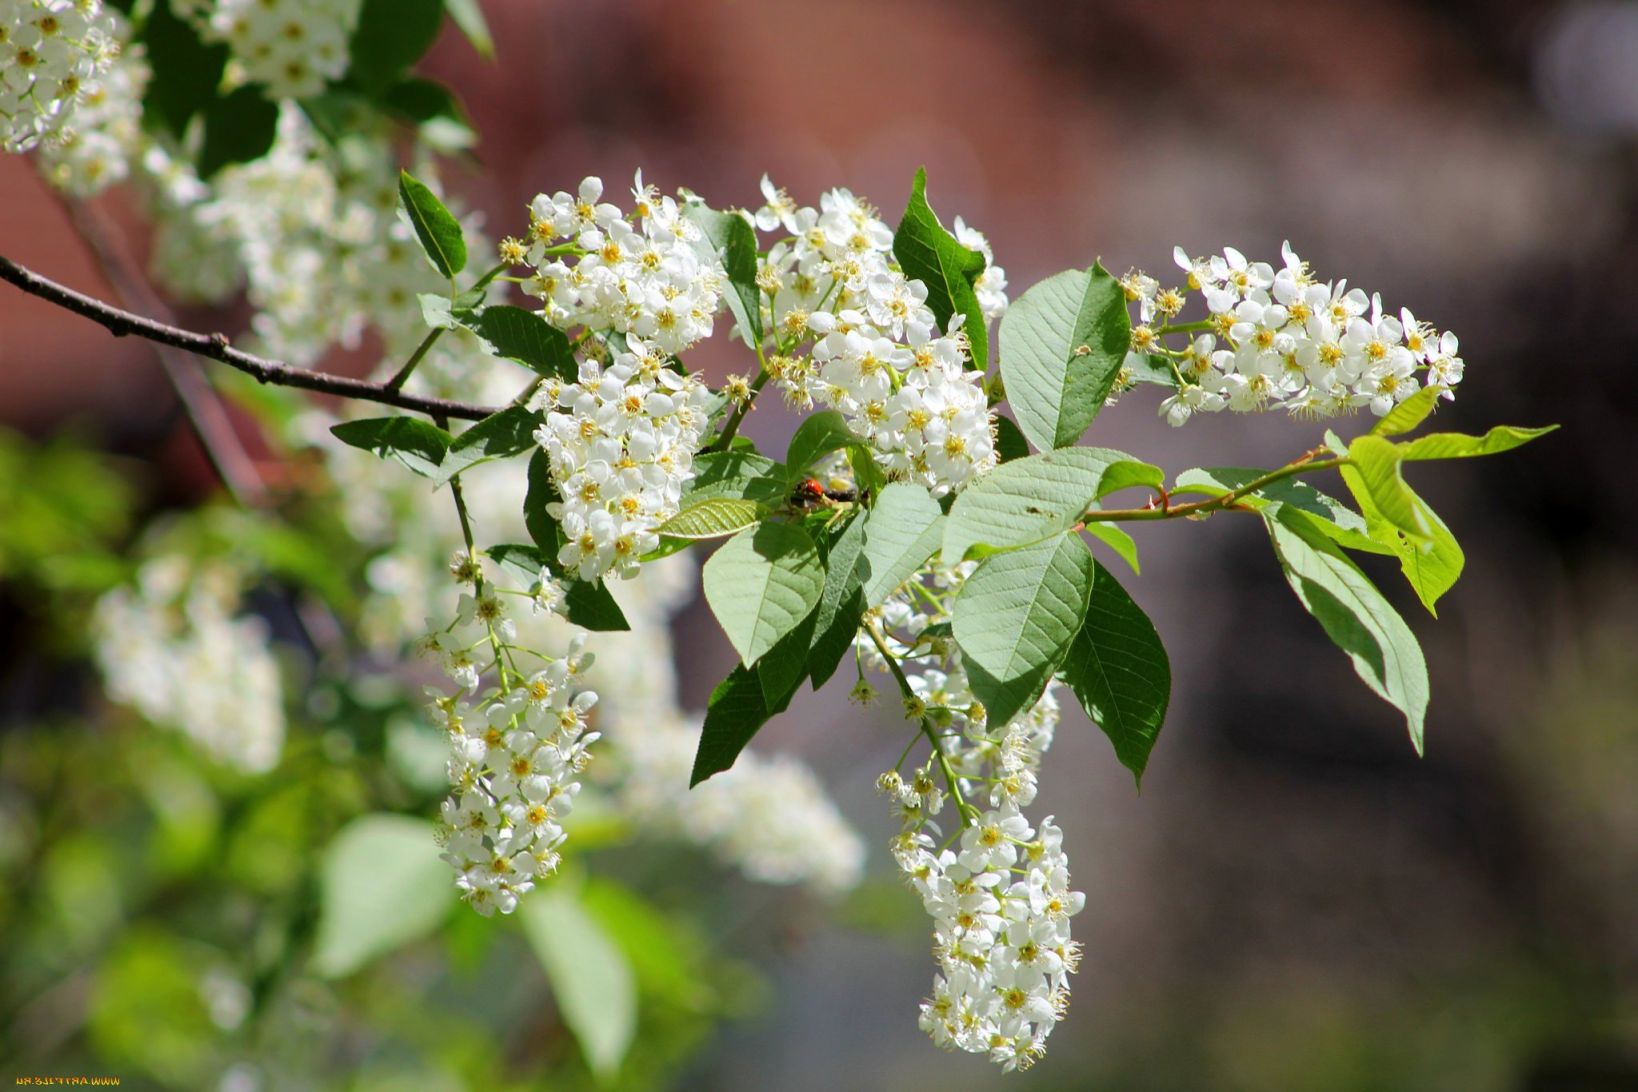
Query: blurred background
{"type": "Point", "coordinates": [1294, 900]}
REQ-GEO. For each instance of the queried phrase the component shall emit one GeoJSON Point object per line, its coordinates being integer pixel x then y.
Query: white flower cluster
{"type": "Point", "coordinates": [52, 54]}
{"type": "Point", "coordinates": [93, 151]}
{"type": "Point", "coordinates": [516, 750]}
{"type": "Point", "coordinates": [878, 355]}
{"type": "Point", "coordinates": [620, 443]}
{"type": "Point", "coordinates": [291, 46]}
{"type": "Point", "coordinates": [641, 276]}
{"type": "Point", "coordinates": [1285, 339]}
{"type": "Point", "coordinates": [174, 649]}
{"type": "Point", "coordinates": [997, 888]}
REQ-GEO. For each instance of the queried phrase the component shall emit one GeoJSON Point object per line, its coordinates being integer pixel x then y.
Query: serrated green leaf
{"type": "Point", "coordinates": [818, 435]}
{"type": "Point", "coordinates": [389, 37]}
{"type": "Point", "coordinates": [435, 225]}
{"type": "Point", "coordinates": [714, 517]}
{"type": "Point", "coordinates": [1336, 520]}
{"type": "Point", "coordinates": [1015, 618]}
{"type": "Point", "coordinates": [381, 885]}
{"type": "Point", "coordinates": [414, 443]}
{"type": "Point", "coordinates": [930, 254]}
{"type": "Point", "coordinates": [508, 432]}
{"type": "Point", "coordinates": [1407, 414]}
{"type": "Point", "coordinates": [592, 981]}
{"type": "Point", "coordinates": [1062, 346]}
{"type": "Point", "coordinates": [761, 584]}
{"type": "Point", "coordinates": [901, 531]}
{"type": "Point", "coordinates": [842, 604]}
{"type": "Point", "coordinates": [525, 337]}
{"type": "Point", "coordinates": [730, 239]}
{"type": "Point", "coordinates": [1459, 445]}
{"type": "Point", "coordinates": [1033, 498]}
{"type": "Point", "coordinates": [468, 16]}
{"type": "Point", "coordinates": [736, 711]}
{"type": "Point", "coordinates": [1377, 464]}
{"type": "Point", "coordinates": [239, 127]}
{"type": "Point", "coordinates": [1119, 672]}
{"type": "Point", "coordinates": [744, 475]}
{"type": "Point", "coordinates": [1117, 540]}
{"type": "Point", "coordinates": [186, 71]}
{"type": "Point", "coordinates": [542, 525]}
{"type": "Point", "coordinates": [1354, 615]}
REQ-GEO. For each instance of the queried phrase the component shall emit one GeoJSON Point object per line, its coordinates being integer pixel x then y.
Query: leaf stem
{"type": "Point", "coordinates": [1167, 510]}
{"type": "Point", "coordinates": [396, 383]}
{"type": "Point", "coordinates": [966, 810]}
{"type": "Point", "coordinates": [721, 443]}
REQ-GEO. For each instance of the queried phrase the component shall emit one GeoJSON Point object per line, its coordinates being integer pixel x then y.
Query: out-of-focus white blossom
{"type": "Point", "coordinates": [52, 55]}
{"type": "Point", "coordinates": [93, 150]}
{"type": "Point", "coordinates": [291, 46]}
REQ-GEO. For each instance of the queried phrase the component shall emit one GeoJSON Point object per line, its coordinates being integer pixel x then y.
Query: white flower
{"type": "Point", "coordinates": [52, 55]}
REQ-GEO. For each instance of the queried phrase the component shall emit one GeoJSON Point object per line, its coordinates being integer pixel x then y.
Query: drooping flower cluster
{"type": "Point", "coordinates": [52, 54]}
{"type": "Point", "coordinates": [877, 354]}
{"type": "Point", "coordinates": [175, 649]}
{"type": "Point", "coordinates": [1286, 339]}
{"type": "Point", "coordinates": [291, 46]}
{"type": "Point", "coordinates": [642, 276]}
{"type": "Point", "coordinates": [997, 886]}
{"type": "Point", "coordinates": [620, 443]}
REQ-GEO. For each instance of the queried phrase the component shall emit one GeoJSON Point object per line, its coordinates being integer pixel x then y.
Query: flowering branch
{"type": "Point", "coordinates": [1226, 501]}
{"type": "Point", "coordinates": [216, 347]}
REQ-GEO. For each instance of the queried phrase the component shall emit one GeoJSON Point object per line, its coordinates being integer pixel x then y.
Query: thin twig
{"type": "Point", "coordinates": [216, 347]}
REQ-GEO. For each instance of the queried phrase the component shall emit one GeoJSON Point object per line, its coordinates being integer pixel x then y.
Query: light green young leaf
{"type": "Point", "coordinates": [930, 254]}
{"type": "Point", "coordinates": [1015, 617]}
{"type": "Point", "coordinates": [381, 885]}
{"type": "Point", "coordinates": [1433, 566]}
{"type": "Point", "coordinates": [1355, 616]}
{"type": "Point", "coordinates": [1033, 498]}
{"type": "Point", "coordinates": [714, 517]}
{"type": "Point", "coordinates": [1459, 445]}
{"type": "Point", "coordinates": [1377, 462]}
{"type": "Point", "coordinates": [1117, 540]}
{"type": "Point", "coordinates": [1062, 344]}
{"type": "Point", "coordinates": [901, 532]}
{"type": "Point", "coordinates": [591, 978]}
{"type": "Point", "coordinates": [729, 238]}
{"type": "Point", "coordinates": [1336, 520]}
{"type": "Point", "coordinates": [761, 584]}
{"type": "Point", "coordinates": [818, 435]}
{"type": "Point", "coordinates": [414, 443]}
{"type": "Point", "coordinates": [435, 226]}
{"type": "Point", "coordinates": [1407, 414]}
{"type": "Point", "coordinates": [1119, 672]}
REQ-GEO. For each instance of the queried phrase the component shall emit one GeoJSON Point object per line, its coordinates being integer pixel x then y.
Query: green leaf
{"type": "Point", "coordinates": [867, 472]}
{"type": "Point", "coordinates": [1336, 520]}
{"type": "Point", "coordinates": [1009, 440]}
{"type": "Point", "coordinates": [389, 37]}
{"type": "Point", "coordinates": [591, 606]}
{"type": "Point", "coordinates": [525, 337]}
{"type": "Point", "coordinates": [468, 16]}
{"type": "Point", "coordinates": [1034, 498]}
{"type": "Point", "coordinates": [714, 517]}
{"type": "Point", "coordinates": [1432, 566]}
{"type": "Point", "coordinates": [415, 443]}
{"type": "Point", "coordinates": [901, 531]}
{"type": "Point", "coordinates": [782, 668]}
{"type": "Point", "coordinates": [521, 561]}
{"type": "Point", "coordinates": [592, 981]}
{"type": "Point", "coordinates": [542, 525]}
{"type": "Point", "coordinates": [1117, 540]}
{"type": "Point", "coordinates": [498, 436]}
{"type": "Point", "coordinates": [437, 311]}
{"type": "Point", "coordinates": [381, 885]}
{"type": "Point", "coordinates": [729, 238]}
{"type": "Point", "coordinates": [1062, 344]}
{"type": "Point", "coordinates": [1459, 445]}
{"type": "Point", "coordinates": [1377, 464]}
{"type": "Point", "coordinates": [186, 71]}
{"type": "Point", "coordinates": [435, 226]}
{"type": "Point", "coordinates": [736, 711]}
{"type": "Point", "coordinates": [1119, 672]}
{"type": "Point", "coordinates": [1407, 414]}
{"type": "Point", "coordinates": [1015, 618]}
{"type": "Point", "coordinates": [421, 100]}
{"type": "Point", "coordinates": [761, 584]}
{"type": "Point", "coordinates": [664, 950]}
{"type": "Point", "coordinates": [928, 253]}
{"type": "Point", "coordinates": [239, 127]}
{"type": "Point", "coordinates": [1355, 616]}
{"type": "Point", "coordinates": [818, 435]}
{"type": "Point", "coordinates": [743, 475]}
{"type": "Point", "coordinates": [842, 604]}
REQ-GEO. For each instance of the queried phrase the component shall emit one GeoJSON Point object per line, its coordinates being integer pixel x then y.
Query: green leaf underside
{"type": "Point", "coordinates": [732, 239]}
{"type": "Point", "coordinates": [239, 127]}
{"type": "Point", "coordinates": [1459, 445]}
{"type": "Point", "coordinates": [381, 885]}
{"type": "Point", "coordinates": [389, 37]}
{"type": "Point", "coordinates": [841, 604]}
{"type": "Point", "coordinates": [1016, 617]}
{"type": "Point", "coordinates": [817, 436]}
{"type": "Point", "coordinates": [592, 981]}
{"type": "Point", "coordinates": [1432, 566]}
{"type": "Point", "coordinates": [1407, 414]}
{"type": "Point", "coordinates": [1033, 498]}
{"type": "Point", "coordinates": [1118, 541]}
{"type": "Point", "coordinates": [498, 436]}
{"type": "Point", "coordinates": [525, 337]}
{"type": "Point", "coordinates": [414, 443]}
{"type": "Point", "coordinates": [901, 532]}
{"type": "Point", "coordinates": [1354, 615]}
{"type": "Point", "coordinates": [713, 517]}
{"type": "Point", "coordinates": [761, 584]}
{"type": "Point", "coordinates": [1062, 345]}
{"type": "Point", "coordinates": [742, 475]}
{"type": "Point", "coordinates": [736, 711]}
{"type": "Point", "coordinates": [1336, 520]}
{"type": "Point", "coordinates": [1119, 672]}
{"type": "Point", "coordinates": [930, 254]}
{"type": "Point", "coordinates": [435, 226]}
{"type": "Point", "coordinates": [1376, 465]}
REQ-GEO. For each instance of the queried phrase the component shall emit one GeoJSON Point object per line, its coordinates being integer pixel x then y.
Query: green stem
{"type": "Point", "coordinates": [966, 810]}
{"type": "Point", "coordinates": [403, 374]}
{"type": "Point", "coordinates": [743, 408]}
{"type": "Point", "coordinates": [1212, 504]}
{"type": "Point", "coordinates": [478, 583]}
